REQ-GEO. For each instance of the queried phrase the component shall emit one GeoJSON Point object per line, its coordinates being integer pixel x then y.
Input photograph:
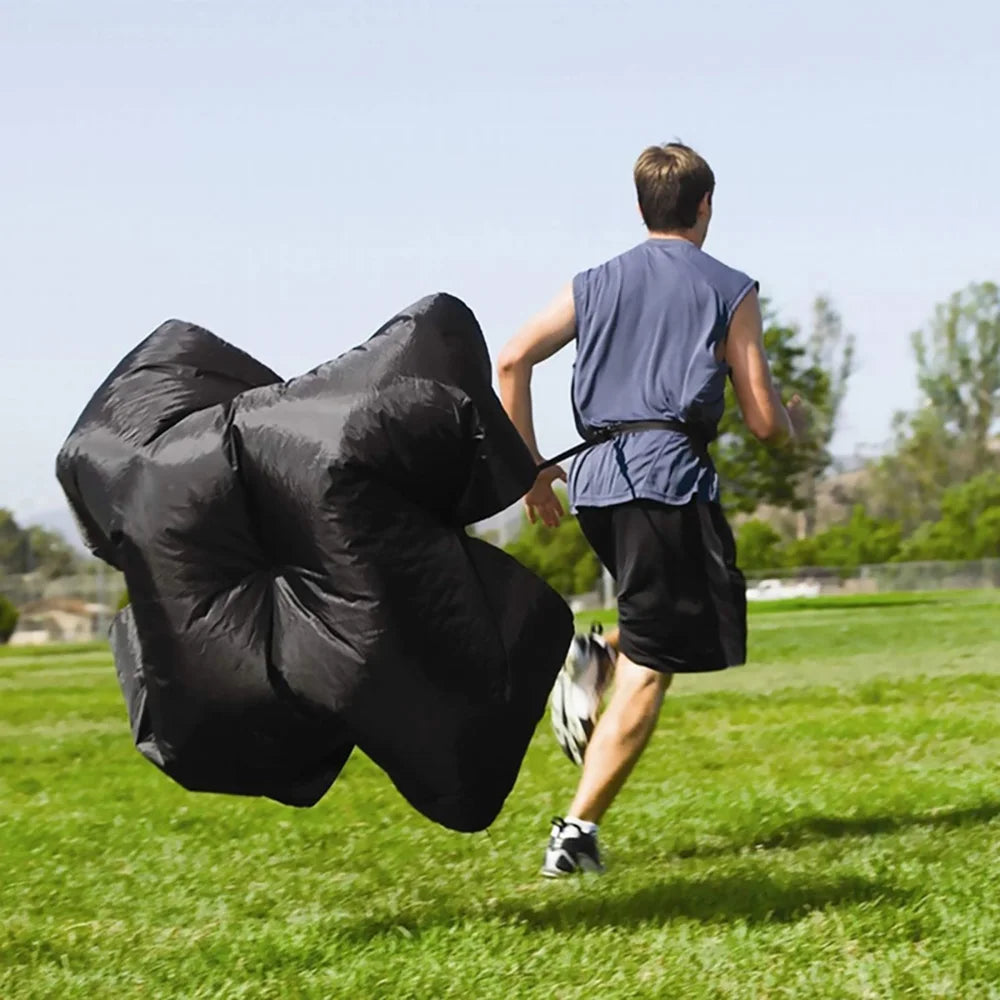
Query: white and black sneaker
{"type": "Point", "coordinates": [577, 694]}
{"type": "Point", "coordinates": [571, 851]}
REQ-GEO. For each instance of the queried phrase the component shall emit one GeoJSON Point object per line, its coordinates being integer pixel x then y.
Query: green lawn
{"type": "Point", "coordinates": [822, 823]}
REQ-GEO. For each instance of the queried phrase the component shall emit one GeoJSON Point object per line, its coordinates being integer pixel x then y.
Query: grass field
{"type": "Point", "coordinates": [822, 823]}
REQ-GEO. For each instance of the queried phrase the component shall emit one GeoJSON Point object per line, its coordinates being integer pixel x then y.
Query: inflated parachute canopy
{"type": "Point", "coordinates": [300, 576]}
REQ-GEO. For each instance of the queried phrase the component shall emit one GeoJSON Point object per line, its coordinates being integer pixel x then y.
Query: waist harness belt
{"type": "Point", "coordinates": [697, 435]}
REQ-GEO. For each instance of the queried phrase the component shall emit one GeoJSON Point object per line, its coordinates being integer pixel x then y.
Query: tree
{"type": "Point", "coordinates": [10, 543]}
{"type": "Point", "coordinates": [907, 483]}
{"type": "Point", "coordinates": [958, 366]}
{"type": "Point", "coordinates": [947, 440]}
{"type": "Point", "coordinates": [830, 349]}
{"type": "Point", "coordinates": [561, 556]}
{"type": "Point", "coordinates": [986, 539]}
{"type": "Point", "coordinates": [8, 619]}
{"type": "Point", "coordinates": [33, 549]}
{"type": "Point", "coordinates": [802, 552]}
{"type": "Point", "coordinates": [49, 553]}
{"type": "Point", "coordinates": [817, 367]}
{"type": "Point", "coordinates": [969, 526]}
{"type": "Point", "coordinates": [758, 545]}
{"type": "Point", "coordinates": [863, 540]}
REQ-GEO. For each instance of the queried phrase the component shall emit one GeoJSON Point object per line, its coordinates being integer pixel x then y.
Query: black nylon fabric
{"type": "Point", "coordinates": [300, 578]}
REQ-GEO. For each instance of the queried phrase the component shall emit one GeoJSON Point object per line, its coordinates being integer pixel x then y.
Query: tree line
{"type": "Point", "coordinates": [34, 549]}
{"type": "Point", "coordinates": [933, 495]}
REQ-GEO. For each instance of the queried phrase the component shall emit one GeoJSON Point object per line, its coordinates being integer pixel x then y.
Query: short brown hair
{"type": "Point", "coordinates": [671, 181]}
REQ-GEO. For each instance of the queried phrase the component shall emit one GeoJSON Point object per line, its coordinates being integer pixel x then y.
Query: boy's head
{"type": "Point", "coordinates": [675, 187]}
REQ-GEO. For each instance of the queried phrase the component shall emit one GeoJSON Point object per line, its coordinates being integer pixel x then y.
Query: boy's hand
{"type": "Point", "coordinates": [541, 501]}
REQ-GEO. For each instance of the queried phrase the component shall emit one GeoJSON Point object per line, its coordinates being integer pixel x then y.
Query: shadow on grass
{"type": "Point", "coordinates": [811, 829]}
{"type": "Point", "coordinates": [746, 896]}
{"type": "Point", "coordinates": [749, 896]}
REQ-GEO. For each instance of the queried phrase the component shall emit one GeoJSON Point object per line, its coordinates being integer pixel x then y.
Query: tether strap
{"type": "Point", "coordinates": [599, 436]}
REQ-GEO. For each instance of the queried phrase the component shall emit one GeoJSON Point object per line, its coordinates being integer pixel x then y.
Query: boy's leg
{"type": "Point", "coordinates": [682, 604]}
{"type": "Point", "coordinates": [621, 734]}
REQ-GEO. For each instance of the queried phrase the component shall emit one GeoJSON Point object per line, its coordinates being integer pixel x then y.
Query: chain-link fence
{"type": "Point", "coordinates": [812, 581]}
{"type": "Point", "coordinates": [888, 577]}
{"type": "Point", "coordinates": [100, 584]}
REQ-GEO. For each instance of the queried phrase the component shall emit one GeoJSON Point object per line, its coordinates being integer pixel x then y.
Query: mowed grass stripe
{"type": "Point", "coordinates": [832, 834]}
{"type": "Point", "coordinates": [16, 665]}
{"type": "Point", "coordinates": [76, 678]}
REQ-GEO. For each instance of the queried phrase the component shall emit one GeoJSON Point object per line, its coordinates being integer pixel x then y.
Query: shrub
{"type": "Point", "coordinates": [8, 619]}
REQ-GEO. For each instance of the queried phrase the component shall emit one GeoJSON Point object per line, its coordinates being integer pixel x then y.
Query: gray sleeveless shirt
{"type": "Point", "coordinates": [648, 325]}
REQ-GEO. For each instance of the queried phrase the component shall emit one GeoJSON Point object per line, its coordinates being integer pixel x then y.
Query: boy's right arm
{"type": "Point", "coordinates": [760, 404]}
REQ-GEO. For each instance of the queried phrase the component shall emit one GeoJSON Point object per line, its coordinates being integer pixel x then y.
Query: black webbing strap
{"type": "Point", "coordinates": [599, 436]}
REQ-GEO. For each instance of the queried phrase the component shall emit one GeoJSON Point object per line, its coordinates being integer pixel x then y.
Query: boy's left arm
{"type": "Point", "coordinates": [541, 337]}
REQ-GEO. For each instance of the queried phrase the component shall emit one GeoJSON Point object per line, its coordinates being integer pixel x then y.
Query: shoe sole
{"type": "Point", "coordinates": [588, 867]}
{"type": "Point", "coordinates": [563, 727]}
{"type": "Point", "coordinates": [549, 873]}
{"type": "Point", "coordinates": [574, 706]}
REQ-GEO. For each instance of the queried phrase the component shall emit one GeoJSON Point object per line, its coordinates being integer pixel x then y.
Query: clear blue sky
{"type": "Point", "coordinates": [290, 174]}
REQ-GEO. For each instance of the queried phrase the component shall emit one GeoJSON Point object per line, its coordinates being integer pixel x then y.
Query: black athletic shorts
{"type": "Point", "coordinates": [682, 605]}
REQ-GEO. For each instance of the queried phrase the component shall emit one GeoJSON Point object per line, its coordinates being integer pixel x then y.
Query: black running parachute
{"type": "Point", "coordinates": [301, 580]}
